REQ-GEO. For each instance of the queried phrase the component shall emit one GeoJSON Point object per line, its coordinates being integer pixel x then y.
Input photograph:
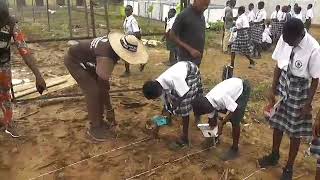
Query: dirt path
{"type": "Point", "coordinates": [55, 137]}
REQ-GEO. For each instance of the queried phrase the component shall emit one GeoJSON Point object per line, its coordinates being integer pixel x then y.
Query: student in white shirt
{"type": "Point", "coordinates": [171, 46]}
{"type": "Point", "coordinates": [251, 15]}
{"type": "Point", "coordinates": [131, 27]}
{"type": "Point", "coordinates": [309, 17]}
{"type": "Point", "coordinates": [231, 96]}
{"type": "Point", "coordinates": [297, 13]}
{"type": "Point", "coordinates": [177, 87]}
{"type": "Point", "coordinates": [257, 29]}
{"type": "Point", "coordinates": [266, 37]}
{"type": "Point", "coordinates": [295, 80]}
{"type": "Point", "coordinates": [275, 21]}
{"type": "Point", "coordinates": [242, 42]}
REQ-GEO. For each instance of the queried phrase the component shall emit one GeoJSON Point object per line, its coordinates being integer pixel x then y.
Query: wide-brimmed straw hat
{"type": "Point", "coordinates": [128, 48]}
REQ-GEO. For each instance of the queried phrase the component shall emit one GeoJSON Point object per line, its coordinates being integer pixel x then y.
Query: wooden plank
{"type": "Point", "coordinates": [58, 87]}
{"type": "Point", "coordinates": [50, 83]}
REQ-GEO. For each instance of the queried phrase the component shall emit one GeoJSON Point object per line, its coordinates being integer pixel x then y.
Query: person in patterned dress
{"type": "Point", "coordinates": [177, 87]}
{"type": "Point", "coordinates": [315, 145]}
{"type": "Point", "coordinates": [9, 30]}
{"type": "Point", "coordinates": [242, 42]}
{"type": "Point", "coordinates": [295, 80]}
{"type": "Point", "coordinates": [257, 29]}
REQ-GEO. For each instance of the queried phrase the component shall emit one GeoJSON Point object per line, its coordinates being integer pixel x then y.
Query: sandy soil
{"type": "Point", "coordinates": [55, 136]}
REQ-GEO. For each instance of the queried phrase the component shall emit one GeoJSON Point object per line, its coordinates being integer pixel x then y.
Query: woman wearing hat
{"type": "Point", "coordinates": [91, 64]}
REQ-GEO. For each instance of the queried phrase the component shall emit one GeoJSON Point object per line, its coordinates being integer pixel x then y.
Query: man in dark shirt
{"type": "Point", "coordinates": [91, 64]}
{"type": "Point", "coordinates": [188, 32]}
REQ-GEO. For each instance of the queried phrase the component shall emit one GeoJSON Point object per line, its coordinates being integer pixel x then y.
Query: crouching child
{"type": "Point", "coordinates": [177, 87]}
{"type": "Point", "coordinates": [230, 97]}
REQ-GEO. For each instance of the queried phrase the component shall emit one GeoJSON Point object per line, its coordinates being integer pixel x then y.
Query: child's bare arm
{"type": "Point", "coordinates": [316, 126]}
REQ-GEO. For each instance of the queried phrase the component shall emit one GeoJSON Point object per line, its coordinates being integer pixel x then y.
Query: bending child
{"type": "Point", "coordinates": [231, 95]}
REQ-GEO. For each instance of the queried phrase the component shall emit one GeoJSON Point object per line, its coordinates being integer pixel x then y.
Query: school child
{"type": "Point", "coordinates": [231, 97]}
{"type": "Point", "coordinates": [266, 37]}
{"type": "Point", "coordinates": [228, 23]}
{"type": "Point", "coordinates": [257, 30]}
{"type": "Point", "coordinates": [131, 27]}
{"type": "Point", "coordinates": [177, 87]}
{"type": "Point", "coordinates": [309, 16]}
{"type": "Point", "coordinates": [242, 42]}
{"type": "Point", "coordinates": [297, 12]}
{"type": "Point", "coordinates": [171, 45]}
{"type": "Point", "coordinates": [295, 80]}
{"type": "Point", "coordinates": [315, 145]}
{"type": "Point", "coordinates": [251, 15]}
{"type": "Point", "coordinates": [275, 21]}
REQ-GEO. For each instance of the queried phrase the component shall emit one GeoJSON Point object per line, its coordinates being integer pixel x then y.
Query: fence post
{"type": "Point", "coordinates": [70, 19]}
{"type": "Point", "coordinates": [86, 16]}
{"type": "Point", "coordinates": [106, 5]}
{"type": "Point", "coordinates": [48, 15]}
{"type": "Point", "coordinates": [93, 23]}
{"type": "Point", "coordinates": [33, 16]}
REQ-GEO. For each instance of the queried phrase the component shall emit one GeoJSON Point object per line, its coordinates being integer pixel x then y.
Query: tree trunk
{"type": "Point", "coordinates": [79, 3]}
{"type": "Point", "coordinates": [21, 3]}
{"type": "Point", "coordinates": [39, 3]}
{"type": "Point", "coordinates": [61, 2]}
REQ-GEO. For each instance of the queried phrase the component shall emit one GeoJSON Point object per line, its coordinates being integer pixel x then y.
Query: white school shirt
{"type": "Point", "coordinates": [170, 23]}
{"type": "Point", "coordinates": [224, 95]}
{"type": "Point", "coordinates": [242, 22]}
{"type": "Point", "coordinates": [309, 14]}
{"type": "Point", "coordinates": [274, 15]}
{"type": "Point", "coordinates": [266, 36]}
{"type": "Point", "coordinates": [260, 15]}
{"type": "Point", "coordinates": [130, 25]}
{"type": "Point", "coordinates": [298, 16]}
{"type": "Point", "coordinates": [281, 16]}
{"type": "Point", "coordinates": [174, 78]}
{"type": "Point", "coordinates": [251, 16]}
{"type": "Point", "coordinates": [306, 59]}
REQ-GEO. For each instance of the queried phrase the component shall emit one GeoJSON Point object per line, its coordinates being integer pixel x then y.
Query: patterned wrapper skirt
{"type": "Point", "coordinates": [287, 117]}
{"type": "Point", "coordinates": [257, 31]}
{"type": "Point", "coordinates": [274, 28]}
{"type": "Point", "coordinates": [182, 106]}
{"type": "Point", "coordinates": [242, 42]}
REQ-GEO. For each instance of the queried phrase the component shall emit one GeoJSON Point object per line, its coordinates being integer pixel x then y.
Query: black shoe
{"type": "Point", "coordinates": [100, 134]}
{"type": "Point", "coordinates": [231, 154]}
{"type": "Point", "coordinates": [287, 174]}
{"type": "Point", "coordinates": [269, 160]}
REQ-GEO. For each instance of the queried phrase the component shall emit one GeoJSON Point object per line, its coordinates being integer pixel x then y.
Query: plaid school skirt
{"type": "Point", "coordinates": [315, 148]}
{"type": "Point", "coordinates": [279, 29]}
{"type": "Point", "coordinates": [182, 106]}
{"type": "Point", "coordinates": [294, 91]}
{"type": "Point", "coordinates": [257, 31]}
{"type": "Point", "coordinates": [274, 28]}
{"type": "Point", "coordinates": [242, 42]}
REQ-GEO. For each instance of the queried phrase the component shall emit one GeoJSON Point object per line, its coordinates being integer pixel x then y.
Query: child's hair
{"type": "Point", "coordinates": [310, 6]}
{"type": "Point", "coordinates": [278, 6]}
{"type": "Point", "coordinates": [201, 106]}
{"type": "Point", "coordinates": [261, 3]}
{"type": "Point", "coordinates": [293, 29]}
{"type": "Point", "coordinates": [251, 5]}
{"type": "Point", "coordinates": [241, 10]}
{"type": "Point", "coordinates": [173, 11]}
{"type": "Point", "coordinates": [152, 89]}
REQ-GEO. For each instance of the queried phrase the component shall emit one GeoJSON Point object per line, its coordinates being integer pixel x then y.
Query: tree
{"type": "Point", "coordinates": [79, 3]}
{"type": "Point", "coordinates": [61, 2]}
{"type": "Point", "coordinates": [39, 3]}
{"type": "Point", "coordinates": [21, 3]}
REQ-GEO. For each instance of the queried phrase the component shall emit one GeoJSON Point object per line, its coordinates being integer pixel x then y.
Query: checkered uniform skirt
{"type": "Point", "coordinates": [257, 31]}
{"type": "Point", "coordinates": [294, 91]}
{"type": "Point", "coordinates": [181, 106]}
{"type": "Point", "coordinates": [315, 149]}
{"type": "Point", "coordinates": [274, 28]}
{"type": "Point", "coordinates": [242, 42]}
{"type": "Point", "coordinates": [279, 29]}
